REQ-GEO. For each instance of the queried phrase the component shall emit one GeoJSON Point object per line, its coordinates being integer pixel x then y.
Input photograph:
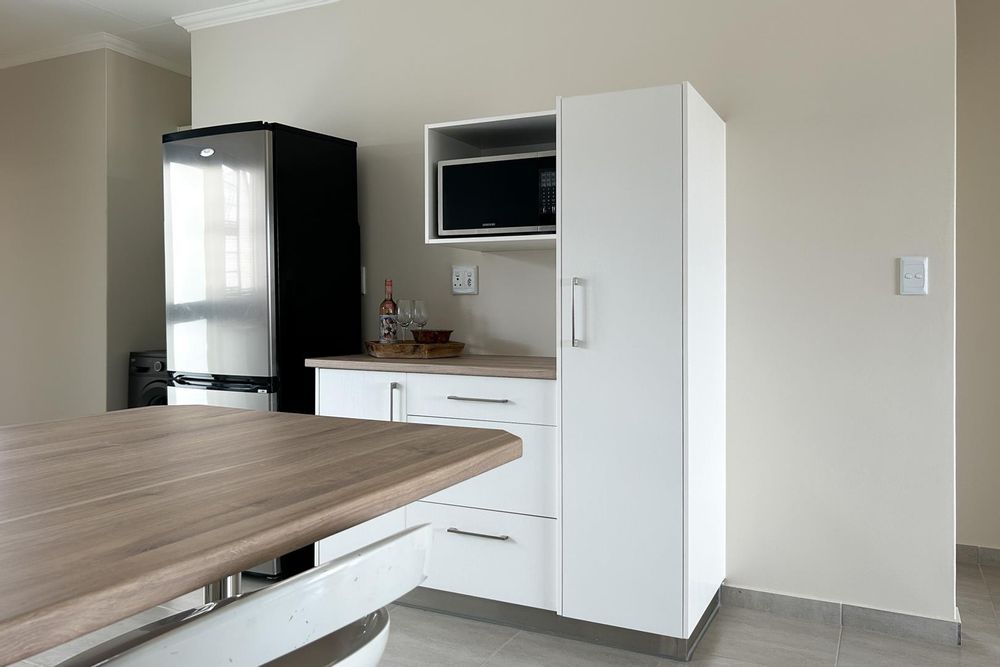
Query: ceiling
{"type": "Point", "coordinates": [31, 29]}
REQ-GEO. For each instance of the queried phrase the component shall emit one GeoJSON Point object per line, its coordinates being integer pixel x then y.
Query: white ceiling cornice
{"type": "Point", "coordinates": [98, 40]}
{"type": "Point", "coordinates": [243, 11]}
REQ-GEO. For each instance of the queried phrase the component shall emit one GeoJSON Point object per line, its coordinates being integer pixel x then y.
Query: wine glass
{"type": "Point", "coordinates": [419, 314]}
{"type": "Point", "coordinates": [405, 315]}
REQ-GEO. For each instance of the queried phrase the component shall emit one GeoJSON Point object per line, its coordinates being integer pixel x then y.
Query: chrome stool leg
{"type": "Point", "coordinates": [228, 587]}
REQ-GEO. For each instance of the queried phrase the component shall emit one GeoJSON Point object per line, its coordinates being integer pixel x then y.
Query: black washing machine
{"type": "Point", "coordinates": [147, 378]}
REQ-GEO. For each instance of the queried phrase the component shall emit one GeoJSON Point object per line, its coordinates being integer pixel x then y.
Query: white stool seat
{"type": "Point", "coordinates": [330, 615]}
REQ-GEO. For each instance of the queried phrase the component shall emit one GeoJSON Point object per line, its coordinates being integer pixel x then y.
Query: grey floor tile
{"type": "Point", "coordinates": [975, 606]}
{"type": "Point", "coordinates": [419, 637]}
{"type": "Point", "coordinates": [968, 594]}
{"type": "Point", "coordinates": [991, 573]}
{"type": "Point", "coordinates": [188, 601]}
{"type": "Point", "coordinates": [976, 611]}
{"type": "Point", "coordinates": [965, 553]}
{"type": "Point", "coordinates": [59, 653]}
{"type": "Point", "coordinates": [528, 649]}
{"type": "Point", "coordinates": [255, 583]}
{"type": "Point", "coordinates": [972, 584]}
{"type": "Point", "coordinates": [760, 638]}
{"type": "Point", "coordinates": [711, 661]}
{"type": "Point", "coordinates": [859, 648]}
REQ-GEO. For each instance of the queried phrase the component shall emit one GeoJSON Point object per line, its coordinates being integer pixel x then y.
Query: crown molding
{"type": "Point", "coordinates": [94, 42]}
{"type": "Point", "coordinates": [242, 11]}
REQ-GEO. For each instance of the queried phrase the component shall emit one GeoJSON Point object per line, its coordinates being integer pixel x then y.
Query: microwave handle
{"type": "Point", "coordinates": [576, 342]}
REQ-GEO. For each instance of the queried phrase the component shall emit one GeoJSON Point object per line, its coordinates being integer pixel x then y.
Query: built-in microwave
{"type": "Point", "coordinates": [497, 194]}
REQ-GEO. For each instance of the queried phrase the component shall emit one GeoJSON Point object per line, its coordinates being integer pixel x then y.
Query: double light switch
{"type": "Point", "coordinates": [912, 275]}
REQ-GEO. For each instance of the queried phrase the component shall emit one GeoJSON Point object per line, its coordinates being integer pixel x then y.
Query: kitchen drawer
{"type": "Point", "coordinates": [529, 485]}
{"type": "Point", "coordinates": [520, 569]}
{"type": "Point", "coordinates": [361, 535]}
{"type": "Point", "coordinates": [361, 394]}
{"type": "Point", "coordinates": [485, 398]}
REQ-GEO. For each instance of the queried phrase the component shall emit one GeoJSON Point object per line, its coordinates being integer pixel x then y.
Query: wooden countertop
{"type": "Point", "coordinates": [537, 368]}
{"type": "Point", "coordinates": [105, 516]}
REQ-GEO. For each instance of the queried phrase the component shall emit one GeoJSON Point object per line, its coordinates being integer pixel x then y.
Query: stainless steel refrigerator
{"type": "Point", "coordinates": [262, 263]}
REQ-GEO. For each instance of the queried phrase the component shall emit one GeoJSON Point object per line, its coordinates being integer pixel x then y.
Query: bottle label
{"type": "Point", "coordinates": [388, 329]}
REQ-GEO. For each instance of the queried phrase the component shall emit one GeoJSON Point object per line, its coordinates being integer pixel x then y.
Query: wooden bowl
{"type": "Point", "coordinates": [432, 335]}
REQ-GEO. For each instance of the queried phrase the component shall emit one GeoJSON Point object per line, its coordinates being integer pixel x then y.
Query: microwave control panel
{"type": "Point", "coordinates": [547, 191]}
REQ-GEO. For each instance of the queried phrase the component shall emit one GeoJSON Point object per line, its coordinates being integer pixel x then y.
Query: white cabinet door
{"type": "Point", "coordinates": [621, 241]}
{"type": "Point", "coordinates": [361, 394]}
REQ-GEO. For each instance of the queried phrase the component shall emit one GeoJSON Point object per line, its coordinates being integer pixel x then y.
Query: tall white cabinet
{"type": "Point", "coordinates": [642, 357]}
{"type": "Point", "coordinates": [611, 527]}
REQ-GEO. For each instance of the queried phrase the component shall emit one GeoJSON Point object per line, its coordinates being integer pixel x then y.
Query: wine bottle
{"type": "Point", "coordinates": [388, 324]}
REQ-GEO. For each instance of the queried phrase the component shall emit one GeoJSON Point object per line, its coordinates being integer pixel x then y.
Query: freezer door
{"type": "Point", "coordinates": [219, 243]}
{"type": "Point", "coordinates": [225, 399]}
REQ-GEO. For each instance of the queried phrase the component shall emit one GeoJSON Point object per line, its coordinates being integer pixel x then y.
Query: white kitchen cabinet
{"type": "Point", "coordinates": [528, 485]}
{"type": "Point", "coordinates": [642, 357]}
{"type": "Point", "coordinates": [510, 400]}
{"type": "Point", "coordinates": [615, 514]}
{"type": "Point", "coordinates": [361, 535]}
{"type": "Point", "coordinates": [520, 499]}
{"type": "Point", "coordinates": [494, 555]}
{"type": "Point", "coordinates": [370, 395]}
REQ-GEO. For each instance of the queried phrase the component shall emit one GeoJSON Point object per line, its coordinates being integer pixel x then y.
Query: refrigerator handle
{"type": "Point", "coordinates": [393, 386]}
{"type": "Point", "coordinates": [184, 381]}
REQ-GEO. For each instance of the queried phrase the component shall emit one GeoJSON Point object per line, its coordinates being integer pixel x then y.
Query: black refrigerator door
{"type": "Point", "coordinates": [318, 258]}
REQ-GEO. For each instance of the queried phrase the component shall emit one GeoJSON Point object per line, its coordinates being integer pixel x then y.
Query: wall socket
{"type": "Point", "coordinates": [465, 280]}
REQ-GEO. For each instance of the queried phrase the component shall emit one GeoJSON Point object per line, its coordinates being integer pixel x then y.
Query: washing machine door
{"type": "Point", "coordinates": [153, 393]}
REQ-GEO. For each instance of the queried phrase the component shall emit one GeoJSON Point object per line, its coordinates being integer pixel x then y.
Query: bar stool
{"type": "Point", "coordinates": [331, 615]}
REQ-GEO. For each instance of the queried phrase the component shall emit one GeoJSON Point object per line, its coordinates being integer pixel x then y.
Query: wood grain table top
{"type": "Point", "coordinates": [536, 368]}
{"type": "Point", "coordinates": [104, 516]}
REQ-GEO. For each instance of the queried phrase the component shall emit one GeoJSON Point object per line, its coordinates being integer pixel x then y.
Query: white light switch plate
{"type": "Point", "coordinates": [465, 280]}
{"type": "Point", "coordinates": [912, 276]}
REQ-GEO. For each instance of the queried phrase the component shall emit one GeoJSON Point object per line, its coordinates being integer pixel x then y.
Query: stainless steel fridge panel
{"type": "Point", "coordinates": [220, 266]}
{"type": "Point", "coordinates": [227, 399]}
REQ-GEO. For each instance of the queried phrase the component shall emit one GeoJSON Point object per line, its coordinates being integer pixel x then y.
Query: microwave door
{"type": "Point", "coordinates": [494, 195]}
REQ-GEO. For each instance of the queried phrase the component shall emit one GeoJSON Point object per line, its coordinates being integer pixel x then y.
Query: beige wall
{"type": "Point", "coordinates": [840, 158]}
{"type": "Point", "coordinates": [53, 207]}
{"type": "Point", "coordinates": [81, 228]}
{"type": "Point", "coordinates": [978, 354]}
{"type": "Point", "coordinates": [144, 102]}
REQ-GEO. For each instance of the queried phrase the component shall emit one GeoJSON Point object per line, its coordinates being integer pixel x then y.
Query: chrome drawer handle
{"type": "Point", "coordinates": [502, 538]}
{"type": "Point", "coordinates": [479, 400]}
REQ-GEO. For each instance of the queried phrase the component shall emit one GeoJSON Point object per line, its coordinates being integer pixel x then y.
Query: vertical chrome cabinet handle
{"type": "Point", "coordinates": [393, 386]}
{"type": "Point", "coordinates": [572, 312]}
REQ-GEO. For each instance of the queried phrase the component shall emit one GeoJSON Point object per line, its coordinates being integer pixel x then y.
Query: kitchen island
{"type": "Point", "coordinates": [108, 515]}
